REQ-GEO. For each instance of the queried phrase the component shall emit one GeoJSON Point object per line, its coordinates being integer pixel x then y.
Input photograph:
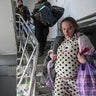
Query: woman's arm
{"type": "Point", "coordinates": [81, 58]}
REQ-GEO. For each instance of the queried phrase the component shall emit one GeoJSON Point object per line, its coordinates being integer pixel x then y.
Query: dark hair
{"type": "Point", "coordinates": [42, 1]}
{"type": "Point", "coordinates": [70, 19]}
{"type": "Point", "coordinates": [20, 0]}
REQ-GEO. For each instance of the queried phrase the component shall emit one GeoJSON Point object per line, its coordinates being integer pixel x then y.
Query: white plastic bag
{"type": "Point", "coordinates": [85, 45]}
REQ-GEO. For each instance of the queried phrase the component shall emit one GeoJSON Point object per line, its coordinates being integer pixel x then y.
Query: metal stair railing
{"type": "Point", "coordinates": [86, 21]}
{"type": "Point", "coordinates": [26, 69]}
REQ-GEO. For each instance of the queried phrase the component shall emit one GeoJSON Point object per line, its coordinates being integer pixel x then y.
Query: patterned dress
{"type": "Point", "coordinates": [66, 67]}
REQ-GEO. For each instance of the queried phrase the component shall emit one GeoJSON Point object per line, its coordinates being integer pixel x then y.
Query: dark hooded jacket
{"type": "Point", "coordinates": [23, 11]}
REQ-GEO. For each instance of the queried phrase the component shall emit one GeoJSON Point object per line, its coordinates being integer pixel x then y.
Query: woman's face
{"type": "Point", "coordinates": [68, 29]}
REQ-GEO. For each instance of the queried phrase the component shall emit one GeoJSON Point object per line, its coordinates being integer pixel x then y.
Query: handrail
{"type": "Point", "coordinates": [22, 21]}
{"type": "Point", "coordinates": [31, 60]}
{"type": "Point", "coordinates": [87, 17]}
{"type": "Point", "coordinates": [86, 21]}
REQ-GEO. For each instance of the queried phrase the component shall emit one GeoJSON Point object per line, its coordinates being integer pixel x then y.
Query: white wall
{"type": "Point", "coordinates": [79, 8]}
{"type": "Point", "coordinates": [7, 35]}
{"type": "Point", "coordinates": [30, 4]}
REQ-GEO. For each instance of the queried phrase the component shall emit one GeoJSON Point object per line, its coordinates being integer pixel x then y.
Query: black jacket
{"type": "Point", "coordinates": [23, 11]}
{"type": "Point", "coordinates": [58, 40]}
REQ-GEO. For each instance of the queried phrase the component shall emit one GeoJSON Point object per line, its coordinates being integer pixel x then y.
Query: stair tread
{"type": "Point", "coordinates": [39, 74]}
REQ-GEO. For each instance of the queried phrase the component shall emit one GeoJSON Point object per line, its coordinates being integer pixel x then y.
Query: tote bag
{"type": "Point", "coordinates": [57, 13]}
{"type": "Point", "coordinates": [86, 80]}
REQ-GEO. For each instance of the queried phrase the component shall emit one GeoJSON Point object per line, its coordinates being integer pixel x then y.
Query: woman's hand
{"type": "Point", "coordinates": [53, 56]}
{"type": "Point", "coordinates": [81, 58]}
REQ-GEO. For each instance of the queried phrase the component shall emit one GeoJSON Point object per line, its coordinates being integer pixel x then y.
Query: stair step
{"type": "Point", "coordinates": [39, 68]}
{"type": "Point", "coordinates": [38, 76]}
{"type": "Point", "coordinates": [44, 90]}
{"type": "Point", "coordinates": [23, 61]}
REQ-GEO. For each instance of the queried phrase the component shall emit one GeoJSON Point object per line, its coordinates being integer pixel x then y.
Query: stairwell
{"type": "Point", "coordinates": [41, 88]}
{"type": "Point", "coordinates": [30, 66]}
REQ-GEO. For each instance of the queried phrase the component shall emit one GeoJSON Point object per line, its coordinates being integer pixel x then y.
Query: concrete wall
{"type": "Point", "coordinates": [8, 50]}
{"type": "Point", "coordinates": [7, 36]}
{"type": "Point", "coordinates": [30, 4]}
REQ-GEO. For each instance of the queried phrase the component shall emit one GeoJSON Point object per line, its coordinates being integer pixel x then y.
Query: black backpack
{"type": "Point", "coordinates": [48, 16]}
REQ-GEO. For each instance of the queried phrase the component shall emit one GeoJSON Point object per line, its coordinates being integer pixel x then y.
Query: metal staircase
{"type": "Point", "coordinates": [26, 69]}
{"type": "Point", "coordinates": [29, 68]}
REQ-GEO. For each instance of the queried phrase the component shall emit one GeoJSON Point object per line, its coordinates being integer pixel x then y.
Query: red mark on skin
{"type": "Point", "coordinates": [84, 51]}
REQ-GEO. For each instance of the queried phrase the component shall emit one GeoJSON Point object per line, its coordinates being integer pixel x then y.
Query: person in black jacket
{"type": "Point", "coordinates": [41, 30]}
{"type": "Point", "coordinates": [22, 10]}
